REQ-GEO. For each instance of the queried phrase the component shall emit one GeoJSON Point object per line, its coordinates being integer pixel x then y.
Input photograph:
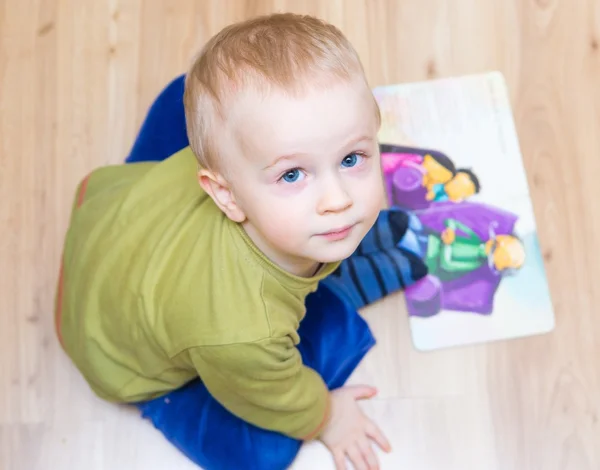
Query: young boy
{"type": "Point", "coordinates": [200, 265]}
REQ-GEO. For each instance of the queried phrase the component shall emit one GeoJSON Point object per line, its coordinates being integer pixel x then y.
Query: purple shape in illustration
{"type": "Point", "coordinates": [473, 292]}
{"type": "Point", "coordinates": [424, 297]}
{"type": "Point", "coordinates": [478, 216]}
{"type": "Point", "coordinates": [408, 190]}
{"type": "Point", "coordinates": [403, 170]}
{"type": "Point", "coordinates": [394, 162]}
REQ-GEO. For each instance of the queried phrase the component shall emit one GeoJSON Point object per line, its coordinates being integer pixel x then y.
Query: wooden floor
{"type": "Point", "coordinates": [76, 78]}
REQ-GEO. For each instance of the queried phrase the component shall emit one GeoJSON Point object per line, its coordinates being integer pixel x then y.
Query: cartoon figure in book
{"type": "Point", "coordinates": [416, 178]}
{"type": "Point", "coordinates": [458, 250]}
{"type": "Point", "coordinates": [463, 185]}
{"type": "Point", "coordinates": [468, 248]}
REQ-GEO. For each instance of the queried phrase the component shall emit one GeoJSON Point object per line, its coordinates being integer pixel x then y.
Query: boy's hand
{"type": "Point", "coordinates": [349, 431]}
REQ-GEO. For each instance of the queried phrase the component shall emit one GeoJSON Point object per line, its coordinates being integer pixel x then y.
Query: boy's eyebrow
{"type": "Point", "coordinates": [278, 160]}
{"type": "Point", "coordinates": [349, 145]}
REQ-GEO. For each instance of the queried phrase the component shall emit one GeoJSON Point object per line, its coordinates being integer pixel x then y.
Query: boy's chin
{"type": "Point", "coordinates": [335, 255]}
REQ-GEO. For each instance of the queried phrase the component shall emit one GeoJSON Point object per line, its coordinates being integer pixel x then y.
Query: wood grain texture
{"type": "Point", "coordinates": [76, 79]}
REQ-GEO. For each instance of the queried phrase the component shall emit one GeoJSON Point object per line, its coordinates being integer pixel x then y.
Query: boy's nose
{"type": "Point", "coordinates": [334, 199]}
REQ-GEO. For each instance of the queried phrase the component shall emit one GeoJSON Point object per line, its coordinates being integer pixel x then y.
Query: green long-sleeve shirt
{"type": "Point", "coordinates": [465, 254]}
{"type": "Point", "coordinates": [158, 287]}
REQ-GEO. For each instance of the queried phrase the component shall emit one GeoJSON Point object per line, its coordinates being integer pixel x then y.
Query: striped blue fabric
{"type": "Point", "coordinates": [387, 260]}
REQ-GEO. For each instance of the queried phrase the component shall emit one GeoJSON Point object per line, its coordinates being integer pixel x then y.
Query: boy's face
{"type": "Point", "coordinates": [305, 172]}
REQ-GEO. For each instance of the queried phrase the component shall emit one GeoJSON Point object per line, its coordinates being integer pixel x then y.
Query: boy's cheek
{"type": "Point", "coordinates": [282, 223]}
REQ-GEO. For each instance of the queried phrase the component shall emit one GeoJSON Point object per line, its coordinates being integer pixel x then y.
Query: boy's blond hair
{"type": "Point", "coordinates": [285, 50]}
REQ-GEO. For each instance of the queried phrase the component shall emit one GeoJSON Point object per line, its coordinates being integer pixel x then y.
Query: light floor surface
{"type": "Point", "coordinates": [76, 79]}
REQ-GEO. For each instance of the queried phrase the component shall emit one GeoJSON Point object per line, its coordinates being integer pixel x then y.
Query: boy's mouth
{"type": "Point", "coordinates": [338, 233]}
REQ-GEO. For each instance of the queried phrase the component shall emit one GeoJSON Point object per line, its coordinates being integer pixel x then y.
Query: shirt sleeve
{"type": "Point", "coordinates": [265, 383]}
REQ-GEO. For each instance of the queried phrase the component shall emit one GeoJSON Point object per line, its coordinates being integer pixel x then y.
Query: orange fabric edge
{"type": "Point", "coordinates": [59, 292]}
{"type": "Point", "coordinates": [58, 310]}
{"type": "Point", "coordinates": [82, 190]}
{"type": "Point", "coordinates": [322, 424]}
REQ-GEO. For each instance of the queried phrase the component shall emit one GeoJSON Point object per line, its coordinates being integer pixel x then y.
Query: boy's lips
{"type": "Point", "coordinates": [338, 233]}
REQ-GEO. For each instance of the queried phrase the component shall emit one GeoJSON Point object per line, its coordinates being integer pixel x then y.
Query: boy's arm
{"type": "Point", "coordinates": [265, 383]}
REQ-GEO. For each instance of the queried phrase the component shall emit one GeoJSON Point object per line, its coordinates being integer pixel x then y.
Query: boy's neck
{"type": "Point", "coordinates": [317, 269]}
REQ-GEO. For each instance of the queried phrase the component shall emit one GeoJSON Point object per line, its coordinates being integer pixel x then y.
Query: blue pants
{"type": "Point", "coordinates": [334, 338]}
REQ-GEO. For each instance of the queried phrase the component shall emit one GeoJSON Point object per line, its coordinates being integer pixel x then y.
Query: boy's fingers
{"type": "Point", "coordinates": [340, 460]}
{"type": "Point", "coordinates": [375, 433]}
{"type": "Point", "coordinates": [356, 457]}
{"type": "Point", "coordinates": [368, 454]}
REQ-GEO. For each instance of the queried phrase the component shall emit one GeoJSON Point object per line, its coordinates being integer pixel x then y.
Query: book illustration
{"type": "Point", "coordinates": [415, 178]}
{"type": "Point", "coordinates": [468, 247]}
{"type": "Point", "coordinates": [450, 157]}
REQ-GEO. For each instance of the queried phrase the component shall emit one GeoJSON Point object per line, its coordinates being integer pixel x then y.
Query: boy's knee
{"type": "Point", "coordinates": [276, 459]}
{"type": "Point", "coordinates": [255, 449]}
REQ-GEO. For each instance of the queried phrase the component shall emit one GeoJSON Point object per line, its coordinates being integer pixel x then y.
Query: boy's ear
{"type": "Point", "coordinates": [219, 190]}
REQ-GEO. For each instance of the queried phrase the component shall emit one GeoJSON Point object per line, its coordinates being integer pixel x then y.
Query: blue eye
{"type": "Point", "coordinates": [351, 160]}
{"type": "Point", "coordinates": [291, 176]}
